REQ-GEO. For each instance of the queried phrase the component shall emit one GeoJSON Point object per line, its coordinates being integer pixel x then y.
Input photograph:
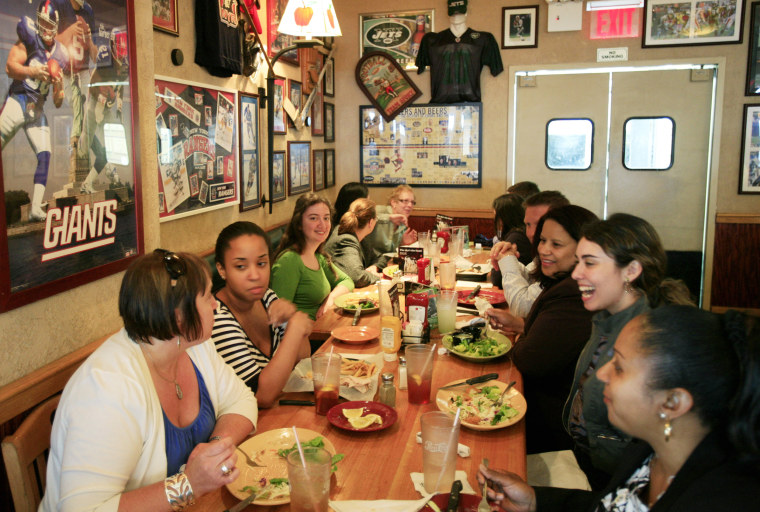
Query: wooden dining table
{"type": "Point", "coordinates": [377, 464]}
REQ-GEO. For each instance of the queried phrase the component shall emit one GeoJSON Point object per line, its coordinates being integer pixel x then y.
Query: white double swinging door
{"type": "Point", "coordinates": [676, 200]}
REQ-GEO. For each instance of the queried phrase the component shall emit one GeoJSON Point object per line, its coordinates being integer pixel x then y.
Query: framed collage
{"type": "Point", "coordinates": [670, 23]}
{"type": "Point", "coordinates": [749, 174]}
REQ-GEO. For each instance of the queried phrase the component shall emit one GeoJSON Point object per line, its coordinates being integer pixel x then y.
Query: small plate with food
{"type": "Point", "coordinates": [358, 376]}
{"type": "Point", "coordinates": [269, 450]}
{"type": "Point", "coordinates": [474, 343]}
{"type": "Point", "coordinates": [349, 302]}
{"type": "Point", "coordinates": [478, 403]}
{"type": "Point", "coordinates": [493, 296]}
{"type": "Point", "coordinates": [362, 416]}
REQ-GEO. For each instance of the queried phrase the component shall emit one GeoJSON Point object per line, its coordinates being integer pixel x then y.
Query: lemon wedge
{"type": "Point", "coordinates": [353, 413]}
{"type": "Point", "coordinates": [375, 418]}
{"type": "Point", "coordinates": [361, 422]}
{"type": "Point", "coordinates": [417, 379]}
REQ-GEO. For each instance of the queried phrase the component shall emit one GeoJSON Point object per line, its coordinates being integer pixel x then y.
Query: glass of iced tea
{"type": "Point", "coordinates": [326, 375]}
{"type": "Point", "coordinates": [419, 364]}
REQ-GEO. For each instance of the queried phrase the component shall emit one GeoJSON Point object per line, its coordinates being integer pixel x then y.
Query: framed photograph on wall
{"type": "Point", "coordinates": [279, 165]}
{"type": "Point", "coordinates": [250, 174]}
{"type": "Point", "coordinates": [279, 126]}
{"type": "Point", "coordinates": [385, 84]}
{"type": "Point", "coordinates": [753, 56]}
{"type": "Point", "coordinates": [165, 17]}
{"type": "Point", "coordinates": [749, 174]}
{"type": "Point", "coordinates": [294, 93]}
{"type": "Point", "coordinates": [278, 40]}
{"type": "Point", "coordinates": [329, 81]}
{"type": "Point", "coordinates": [318, 114]}
{"type": "Point", "coordinates": [299, 167]}
{"type": "Point", "coordinates": [67, 222]}
{"type": "Point", "coordinates": [519, 27]}
{"type": "Point", "coordinates": [329, 122]}
{"type": "Point", "coordinates": [318, 164]}
{"type": "Point", "coordinates": [397, 33]}
{"type": "Point", "coordinates": [669, 23]}
{"type": "Point", "coordinates": [329, 168]}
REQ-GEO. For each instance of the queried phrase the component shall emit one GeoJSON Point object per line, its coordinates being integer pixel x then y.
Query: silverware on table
{"type": "Point", "coordinates": [501, 397]}
{"type": "Point", "coordinates": [240, 506]}
{"type": "Point", "coordinates": [357, 314]}
{"type": "Point", "coordinates": [456, 488]}
{"type": "Point", "coordinates": [473, 380]}
{"type": "Point", "coordinates": [296, 402]}
{"type": "Point", "coordinates": [483, 506]}
{"type": "Point", "coordinates": [249, 460]}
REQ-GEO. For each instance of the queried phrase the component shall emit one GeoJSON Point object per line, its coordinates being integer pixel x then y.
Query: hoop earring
{"type": "Point", "coordinates": [668, 429]}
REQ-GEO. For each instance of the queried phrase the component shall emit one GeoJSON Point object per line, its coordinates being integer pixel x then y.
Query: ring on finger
{"type": "Point", "coordinates": [225, 470]}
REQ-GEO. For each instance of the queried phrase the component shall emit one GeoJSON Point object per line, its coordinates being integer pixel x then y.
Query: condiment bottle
{"type": "Point", "coordinates": [423, 271]}
{"type": "Point", "coordinates": [446, 236]}
{"type": "Point", "coordinates": [388, 390]}
{"type": "Point", "coordinates": [390, 322]}
{"type": "Point", "coordinates": [402, 373]}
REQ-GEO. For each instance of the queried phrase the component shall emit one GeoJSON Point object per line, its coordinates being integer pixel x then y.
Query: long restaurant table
{"type": "Point", "coordinates": [377, 465]}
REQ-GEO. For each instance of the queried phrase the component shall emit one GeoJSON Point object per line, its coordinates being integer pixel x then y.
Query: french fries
{"type": "Point", "coordinates": [357, 368]}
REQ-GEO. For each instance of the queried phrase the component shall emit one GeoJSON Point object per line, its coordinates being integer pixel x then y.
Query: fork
{"type": "Point", "coordinates": [249, 460]}
{"type": "Point", "coordinates": [498, 402]}
{"type": "Point", "coordinates": [483, 506]}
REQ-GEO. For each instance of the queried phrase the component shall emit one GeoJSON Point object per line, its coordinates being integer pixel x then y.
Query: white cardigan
{"type": "Point", "coordinates": [108, 433]}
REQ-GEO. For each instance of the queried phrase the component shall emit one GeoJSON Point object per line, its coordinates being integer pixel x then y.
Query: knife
{"type": "Point", "coordinates": [473, 380]}
{"type": "Point", "coordinates": [356, 315]}
{"type": "Point", "coordinates": [240, 506]}
{"type": "Point", "coordinates": [296, 402]}
{"type": "Point", "coordinates": [474, 292]}
{"type": "Point", "coordinates": [456, 488]}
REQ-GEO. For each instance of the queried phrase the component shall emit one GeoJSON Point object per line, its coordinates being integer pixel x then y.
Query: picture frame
{"type": "Point", "coordinates": [519, 27]}
{"type": "Point", "coordinates": [299, 167]}
{"type": "Point", "coordinates": [277, 40]}
{"type": "Point", "coordinates": [670, 23]}
{"type": "Point", "coordinates": [165, 16]}
{"type": "Point", "coordinates": [397, 33]}
{"type": "Point", "coordinates": [753, 55]}
{"type": "Point", "coordinates": [279, 126]}
{"type": "Point", "coordinates": [447, 155]}
{"type": "Point", "coordinates": [318, 165]}
{"type": "Point", "coordinates": [318, 114]}
{"type": "Point", "coordinates": [329, 168]}
{"type": "Point", "coordinates": [311, 62]}
{"type": "Point", "coordinates": [385, 84]}
{"type": "Point", "coordinates": [329, 117]}
{"type": "Point", "coordinates": [329, 80]}
{"type": "Point", "coordinates": [749, 172]}
{"type": "Point", "coordinates": [250, 165]}
{"type": "Point", "coordinates": [279, 165]}
{"type": "Point", "coordinates": [296, 98]}
{"type": "Point", "coordinates": [195, 146]}
{"type": "Point", "coordinates": [44, 250]}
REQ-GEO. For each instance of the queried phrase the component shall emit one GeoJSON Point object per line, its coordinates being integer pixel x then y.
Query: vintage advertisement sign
{"type": "Point", "coordinates": [430, 145]}
{"type": "Point", "coordinates": [69, 180]}
{"type": "Point", "coordinates": [197, 148]}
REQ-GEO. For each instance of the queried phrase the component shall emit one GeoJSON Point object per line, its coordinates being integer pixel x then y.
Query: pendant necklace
{"type": "Point", "coordinates": [177, 388]}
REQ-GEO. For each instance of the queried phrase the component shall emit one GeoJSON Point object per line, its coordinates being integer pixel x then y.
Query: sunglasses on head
{"type": "Point", "coordinates": [174, 265]}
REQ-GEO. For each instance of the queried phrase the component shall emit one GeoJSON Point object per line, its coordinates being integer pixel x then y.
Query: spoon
{"type": "Point", "coordinates": [483, 506]}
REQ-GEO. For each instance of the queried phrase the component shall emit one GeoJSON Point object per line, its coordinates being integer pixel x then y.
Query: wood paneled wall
{"type": "Point", "coordinates": [736, 263]}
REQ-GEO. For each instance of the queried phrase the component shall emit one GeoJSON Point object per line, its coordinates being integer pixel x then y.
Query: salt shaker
{"type": "Point", "coordinates": [388, 390]}
{"type": "Point", "coordinates": [402, 373]}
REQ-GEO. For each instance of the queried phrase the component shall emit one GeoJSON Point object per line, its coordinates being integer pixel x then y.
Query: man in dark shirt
{"type": "Point", "coordinates": [456, 57]}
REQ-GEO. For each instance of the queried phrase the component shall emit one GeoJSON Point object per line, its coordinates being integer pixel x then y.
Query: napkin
{"type": "Point", "coordinates": [379, 505]}
{"type": "Point", "coordinates": [462, 449]}
{"type": "Point", "coordinates": [300, 378]}
{"type": "Point", "coordinates": [473, 284]}
{"type": "Point", "coordinates": [418, 480]}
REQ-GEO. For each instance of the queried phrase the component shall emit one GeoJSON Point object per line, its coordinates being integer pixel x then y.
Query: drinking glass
{"type": "Point", "coordinates": [447, 273]}
{"type": "Point", "coordinates": [310, 485]}
{"type": "Point", "coordinates": [439, 450]}
{"type": "Point", "coordinates": [447, 311]}
{"type": "Point", "coordinates": [424, 240]}
{"type": "Point", "coordinates": [419, 367]}
{"type": "Point", "coordinates": [325, 370]}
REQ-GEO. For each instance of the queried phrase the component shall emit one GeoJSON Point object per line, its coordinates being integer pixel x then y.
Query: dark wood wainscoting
{"type": "Point", "coordinates": [736, 262]}
{"type": "Point", "coordinates": [480, 221]}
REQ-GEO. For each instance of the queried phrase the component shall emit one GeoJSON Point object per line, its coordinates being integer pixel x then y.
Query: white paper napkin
{"type": "Point", "coordinates": [300, 378]}
{"type": "Point", "coordinates": [418, 480]}
{"type": "Point", "coordinates": [473, 284]}
{"type": "Point", "coordinates": [379, 505]}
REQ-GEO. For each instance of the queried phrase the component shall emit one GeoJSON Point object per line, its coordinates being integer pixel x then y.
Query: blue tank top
{"type": "Point", "coordinates": [181, 441]}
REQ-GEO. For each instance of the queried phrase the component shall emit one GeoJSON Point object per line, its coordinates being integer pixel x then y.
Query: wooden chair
{"type": "Point", "coordinates": [25, 454]}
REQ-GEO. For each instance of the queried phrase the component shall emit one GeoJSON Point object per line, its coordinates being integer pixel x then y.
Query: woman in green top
{"type": "Point", "coordinates": [302, 272]}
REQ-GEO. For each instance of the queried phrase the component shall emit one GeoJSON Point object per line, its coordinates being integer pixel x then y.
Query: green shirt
{"type": "Point", "coordinates": [304, 287]}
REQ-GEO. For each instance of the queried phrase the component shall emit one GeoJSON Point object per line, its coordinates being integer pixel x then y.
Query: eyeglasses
{"type": "Point", "coordinates": [407, 201]}
{"type": "Point", "coordinates": [175, 266]}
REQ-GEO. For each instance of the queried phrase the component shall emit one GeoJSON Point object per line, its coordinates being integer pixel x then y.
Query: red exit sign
{"type": "Point", "coordinates": [615, 23]}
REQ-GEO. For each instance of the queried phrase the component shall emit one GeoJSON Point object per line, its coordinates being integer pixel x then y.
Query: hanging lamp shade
{"type": "Point", "coordinates": [310, 18]}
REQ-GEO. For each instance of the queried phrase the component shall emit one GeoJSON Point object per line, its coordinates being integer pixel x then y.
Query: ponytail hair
{"type": "Point", "coordinates": [715, 360]}
{"type": "Point", "coordinates": [624, 238]}
{"type": "Point", "coordinates": [359, 214]}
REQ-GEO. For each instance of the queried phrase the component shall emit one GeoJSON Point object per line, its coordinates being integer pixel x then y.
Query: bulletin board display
{"type": "Point", "coordinates": [428, 145]}
{"type": "Point", "coordinates": [197, 148]}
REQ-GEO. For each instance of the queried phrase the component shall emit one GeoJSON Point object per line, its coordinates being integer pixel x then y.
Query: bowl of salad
{"type": "Point", "coordinates": [478, 404]}
{"type": "Point", "coordinates": [477, 344]}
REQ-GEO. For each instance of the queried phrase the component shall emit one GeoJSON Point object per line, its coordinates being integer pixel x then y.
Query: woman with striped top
{"type": "Point", "coordinates": [259, 335]}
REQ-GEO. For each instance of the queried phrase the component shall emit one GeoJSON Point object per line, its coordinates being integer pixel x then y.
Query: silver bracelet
{"type": "Point", "coordinates": [179, 492]}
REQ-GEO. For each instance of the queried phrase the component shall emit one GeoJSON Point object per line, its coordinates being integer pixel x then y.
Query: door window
{"type": "Point", "coordinates": [648, 143]}
{"type": "Point", "coordinates": [569, 144]}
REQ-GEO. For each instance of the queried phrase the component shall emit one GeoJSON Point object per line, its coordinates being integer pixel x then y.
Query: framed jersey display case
{"type": "Point", "coordinates": [70, 181]}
